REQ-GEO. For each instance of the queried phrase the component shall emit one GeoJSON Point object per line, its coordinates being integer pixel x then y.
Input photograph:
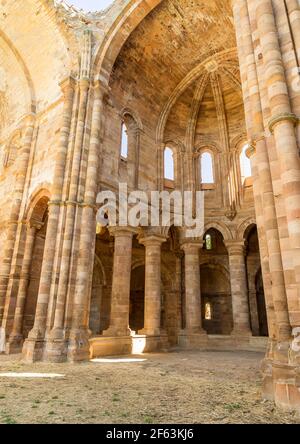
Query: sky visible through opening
{"type": "Point", "coordinates": [90, 5]}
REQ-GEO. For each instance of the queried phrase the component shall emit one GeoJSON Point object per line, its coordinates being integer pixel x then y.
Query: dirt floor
{"type": "Point", "coordinates": [183, 387]}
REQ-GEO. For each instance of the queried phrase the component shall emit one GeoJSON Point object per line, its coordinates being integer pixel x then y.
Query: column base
{"type": "Point", "coordinates": [110, 346]}
{"type": "Point", "coordinates": [147, 343]}
{"type": "Point", "coordinates": [78, 346]}
{"type": "Point", "coordinates": [281, 376]}
{"type": "Point", "coordinates": [267, 372]}
{"type": "Point", "coordinates": [191, 340]}
{"type": "Point", "coordinates": [286, 386]}
{"type": "Point", "coordinates": [33, 350]}
{"type": "Point", "coordinates": [14, 345]}
{"type": "Point", "coordinates": [56, 347]}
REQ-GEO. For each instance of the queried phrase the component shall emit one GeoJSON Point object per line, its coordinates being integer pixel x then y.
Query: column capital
{"type": "Point", "coordinates": [99, 88]}
{"type": "Point", "coordinates": [84, 84]}
{"type": "Point", "coordinates": [68, 84]}
{"type": "Point", "coordinates": [251, 150]}
{"type": "Point", "coordinates": [121, 231]}
{"type": "Point", "coordinates": [34, 225]}
{"type": "Point", "coordinates": [152, 240]}
{"type": "Point", "coordinates": [191, 246]}
{"type": "Point", "coordinates": [236, 248]}
{"type": "Point", "coordinates": [283, 117]}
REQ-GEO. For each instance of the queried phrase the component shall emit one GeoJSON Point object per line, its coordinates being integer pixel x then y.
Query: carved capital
{"type": "Point", "coordinates": [191, 246]}
{"type": "Point", "coordinates": [284, 117]}
{"type": "Point", "coordinates": [236, 248]}
{"type": "Point", "coordinates": [121, 232]}
{"type": "Point", "coordinates": [251, 150]}
{"type": "Point", "coordinates": [84, 84]}
{"type": "Point", "coordinates": [153, 240]}
{"type": "Point", "coordinates": [68, 84]}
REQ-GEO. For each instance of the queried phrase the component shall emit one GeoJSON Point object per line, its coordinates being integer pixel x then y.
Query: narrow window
{"type": "Point", "coordinates": [208, 311]}
{"type": "Point", "coordinates": [207, 169]}
{"type": "Point", "coordinates": [245, 164]}
{"type": "Point", "coordinates": [169, 169]}
{"type": "Point", "coordinates": [124, 142]}
{"type": "Point", "coordinates": [208, 242]}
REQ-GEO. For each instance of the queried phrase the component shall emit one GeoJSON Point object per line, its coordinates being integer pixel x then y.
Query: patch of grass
{"type": "Point", "coordinates": [148, 420]}
{"type": "Point", "coordinates": [232, 407]}
{"type": "Point", "coordinates": [51, 413]}
{"type": "Point", "coordinates": [2, 397]}
{"type": "Point", "coordinates": [116, 398]}
{"type": "Point", "coordinates": [9, 420]}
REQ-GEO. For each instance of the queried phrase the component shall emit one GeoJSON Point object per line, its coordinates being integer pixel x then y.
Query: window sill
{"type": "Point", "coordinates": [169, 184]}
{"type": "Point", "coordinates": [208, 187]}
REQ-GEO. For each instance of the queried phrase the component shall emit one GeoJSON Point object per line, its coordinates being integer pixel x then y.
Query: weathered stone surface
{"type": "Point", "coordinates": [199, 77]}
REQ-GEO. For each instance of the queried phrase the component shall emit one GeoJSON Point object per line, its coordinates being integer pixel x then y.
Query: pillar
{"type": "Point", "coordinates": [15, 341]}
{"type": "Point", "coordinates": [152, 319]}
{"type": "Point", "coordinates": [286, 386]}
{"type": "Point", "coordinates": [33, 346]}
{"type": "Point", "coordinates": [239, 289]}
{"type": "Point", "coordinates": [56, 342]}
{"type": "Point", "coordinates": [193, 333]}
{"type": "Point", "coordinates": [79, 349]}
{"type": "Point", "coordinates": [120, 297]}
{"type": "Point", "coordinates": [22, 166]}
{"type": "Point", "coordinates": [282, 125]}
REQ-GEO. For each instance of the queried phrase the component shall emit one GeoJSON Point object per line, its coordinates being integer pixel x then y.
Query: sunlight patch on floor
{"type": "Point", "coordinates": [117, 361]}
{"type": "Point", "coordinates": [31, 375]}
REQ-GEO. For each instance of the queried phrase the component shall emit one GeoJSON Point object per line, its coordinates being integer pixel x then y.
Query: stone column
{"type": "Point", "coordinates": [81, 303]}
{"type": "Point", "coordinates": [22, 166]}
{"type": "Point", "coordinates": [33, 346]}
{"type": "Point", "coordinates": [193, 334]}
{"type": "Point", "coordinates": [56, 347]}
{"type": "Point", "coordinates": [15, 341]}
{"type": "Point", "coordinates": [239, 290]}
{"type": "Point", "coordinates": [262, 177]}
{"type": "Point", "coordinates": [282, 125]}
{"type": "Point", "coordinates": [120, 297]}
{"type": "Point", "coordinates": [152, 319]}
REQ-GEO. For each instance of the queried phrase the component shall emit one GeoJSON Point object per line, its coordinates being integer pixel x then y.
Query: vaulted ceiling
{"type": "Point", "coordinates": [181, 63]}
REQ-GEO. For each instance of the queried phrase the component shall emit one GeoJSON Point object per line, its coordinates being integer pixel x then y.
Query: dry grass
{"type": "Point", "coordinates": [185, 387]}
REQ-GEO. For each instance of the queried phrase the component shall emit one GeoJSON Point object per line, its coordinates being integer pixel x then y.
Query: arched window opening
{"type": "Point", "coordinates": [208, 242]}
{"type": "Point", "coordinates": [208, 311]}
{"type": "Point", "coordinates": [207, 169]}
{"type": "Point", "coordinates": [169, 167]}
{"type": "Point", "coordinates": [124, 142]}
{"type": "Point", "coordinates": [245, 164]}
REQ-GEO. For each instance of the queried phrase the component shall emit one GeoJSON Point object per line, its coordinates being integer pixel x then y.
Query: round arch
{"type": "Point", "coordinates": [121, 27]}
{"type": "Point", "coordinates": [38, 204]}
{"type": "Point", "coordinates": [30, 94]}
{"type": "Point", "coordinates": [245, 228]}
{"type": "Point", "coordinates": [222, 228]}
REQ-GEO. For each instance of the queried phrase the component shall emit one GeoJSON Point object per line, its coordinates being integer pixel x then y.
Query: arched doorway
{"type": "Point", "coordinates": [217, 317]}
{"type": "Point", "coordinates": [137, 299]}
{"type": "Point", "coordinates": [257, 303]}
{"type": "Point", "coordinates": [216, 300]}
{"type": "Point", "coordinates": [38, 221]}
{"type": "Point", "coordinates": [261, 305]}
{"type": "Point", "coordinates": [101, 283]}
